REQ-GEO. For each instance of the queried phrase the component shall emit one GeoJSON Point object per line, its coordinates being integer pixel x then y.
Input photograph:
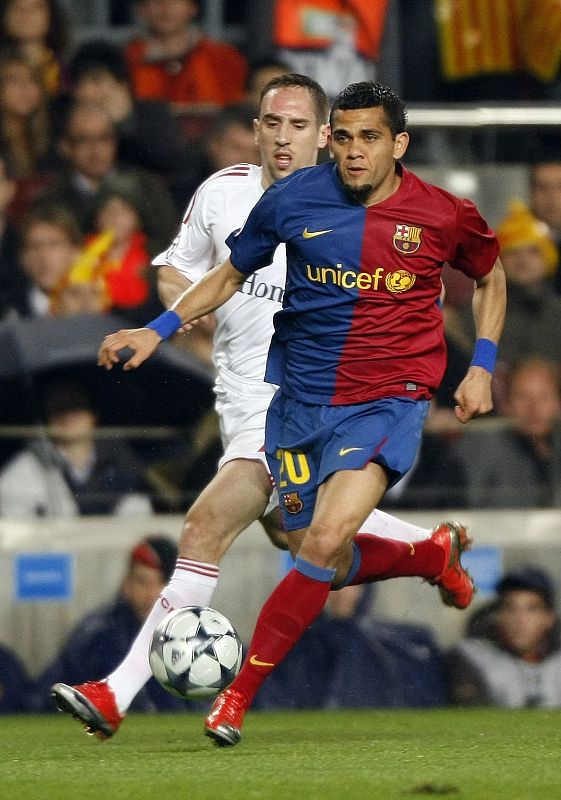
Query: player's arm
{"type": "Point", "coordinates": [204, 296]}
{"type": "Point", "coordinates": [171, 284]}
{"type": "Point", "coordinates": [473, 395]}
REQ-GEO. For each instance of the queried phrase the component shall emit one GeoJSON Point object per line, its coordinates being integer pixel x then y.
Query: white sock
{"type": "Point", "coordinates": [192, 584]}
{"type": "Point", "coordinates": [381, 524]}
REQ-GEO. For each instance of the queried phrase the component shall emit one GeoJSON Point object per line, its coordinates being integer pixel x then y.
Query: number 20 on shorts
{"type": "Point", "coordinates": [294, 468]}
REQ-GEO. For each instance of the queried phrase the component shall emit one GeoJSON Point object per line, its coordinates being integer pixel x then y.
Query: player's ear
{"type": "Point", "coordinates": [400, 145]}
{"type": "Point", "coordinates": [323, 136]}
{"type": "Point", "coordinates": [256, 130]}
{"type": "Point", "coordinates": [329, 141]}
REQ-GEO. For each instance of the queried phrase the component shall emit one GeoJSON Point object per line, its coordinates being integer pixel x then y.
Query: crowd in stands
{"type": "Point", "coordinates": [103, 142]}
{"type": "Point", "coordinates": [349, 658]}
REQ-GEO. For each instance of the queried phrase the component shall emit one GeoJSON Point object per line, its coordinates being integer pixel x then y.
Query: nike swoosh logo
{"type": "Point", "coordinates": [344, 450]}
{"type": "Point", "coordinates": [311, 234]}
{"type": "Point", "coordinates": [256, 663]}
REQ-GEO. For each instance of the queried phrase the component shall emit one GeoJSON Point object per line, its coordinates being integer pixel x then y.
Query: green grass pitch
{"type": "Point", "coordinates": [460, 754]}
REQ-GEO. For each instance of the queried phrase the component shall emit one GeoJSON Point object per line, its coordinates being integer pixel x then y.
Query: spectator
{"type": "Point", "coordinates": [529, 258]}
{"type": "Point", "coordinates": [175, 62]}
{"type": "Point", "coordinates": [50, 244]}
{"type": "Point", "coordinates": [104, 636]}
{"type": "Point", "coordinates": [336, 42]}
{"type": "Point", "coordinates": [39, 29]}
{"type": "Point", "coordinates": [89, 145]}
{"type": "Point", "coordinates": [229, 140]}
{"type": "Point", "coordinates": [15, 687]}
{"type": "Point", "coordinates": [71, 473]}
{"type": "Point", "coordinates": [350, 659]}
{"type": "Point", "coordinates": [99, 74]}
{"type": "Point", "coordinates": [122, 223]}
{"type": "Point", "coordinates": [231, 137]}
{"type": "Point", "coordinates": [523, 460]}
{"type": "Point", "coordinates": [82, 290]}
{"type": "Point", "coordinates": [513, 660]}
{"type": "Point", "coordinates": [25, 122]}
{"type": "Point", "coordinates": [545, 202]}
{"type": "Point", "coordinates": [11, 277]}
{"type": "Point", "coordinates": [260, 73]}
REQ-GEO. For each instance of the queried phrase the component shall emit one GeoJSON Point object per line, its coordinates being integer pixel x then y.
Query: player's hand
{"type": "Point", "coordinates": [142, 341]}
{"type": "Point", "coordinates": [474, 395]}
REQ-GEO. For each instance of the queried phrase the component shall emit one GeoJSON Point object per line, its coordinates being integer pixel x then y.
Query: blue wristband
{"type": "Point", "coordinates": [484, 355]}
{"type": "Point", "coordinates": [166, 324]}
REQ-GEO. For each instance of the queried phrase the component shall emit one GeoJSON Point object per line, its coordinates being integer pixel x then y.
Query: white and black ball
{"type": "Point", "coordinates": [195, 652]}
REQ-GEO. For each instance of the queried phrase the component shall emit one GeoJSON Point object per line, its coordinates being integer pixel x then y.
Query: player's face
{"type": "Point", "coordinates": [287, 132]}
{"type": "Point", "coordinates": [365, 151]}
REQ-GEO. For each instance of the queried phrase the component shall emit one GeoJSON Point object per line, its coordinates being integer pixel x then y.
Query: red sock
{"type": "Point", "coordinates": [290, 609]}
{"type": "Point", "coordinates": [390, 558]}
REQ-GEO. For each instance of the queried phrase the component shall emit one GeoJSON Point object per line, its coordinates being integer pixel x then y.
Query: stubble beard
{"type": "Point", "coordinates": [360, 194]}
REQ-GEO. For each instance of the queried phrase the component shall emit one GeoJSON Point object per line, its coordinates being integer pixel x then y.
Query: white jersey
{"type": "Point", "coordinates": [245, 322]}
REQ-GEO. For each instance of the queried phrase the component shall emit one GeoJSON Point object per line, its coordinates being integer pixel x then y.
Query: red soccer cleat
{"type": "Point", "coordinates": [91, 703]}
{"type": "Point", "coordinates": [226, 717]}
{"type": "Point", "coordinates": [455, 583]}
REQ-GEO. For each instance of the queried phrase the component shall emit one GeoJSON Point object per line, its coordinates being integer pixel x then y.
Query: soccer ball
{"type": "Point", "coordinates": [195, 652]}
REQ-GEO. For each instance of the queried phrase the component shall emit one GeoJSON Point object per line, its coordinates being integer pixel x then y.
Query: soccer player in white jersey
{"type": "Point", "coordinates": [290, 130]}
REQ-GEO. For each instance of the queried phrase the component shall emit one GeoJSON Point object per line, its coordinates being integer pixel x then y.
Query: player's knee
{"type": "Point", "coordinates": [203, 537]}
{"type": "Point", "coordinates": [326, 542]}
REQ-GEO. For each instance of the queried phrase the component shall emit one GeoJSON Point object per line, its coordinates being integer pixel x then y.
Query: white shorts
{"type": "Point", "coordinates": [242, 409]}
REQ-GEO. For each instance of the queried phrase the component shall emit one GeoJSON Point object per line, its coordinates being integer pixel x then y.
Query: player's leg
{"type": "Point", "coordinates": [272, 524]}
{"type": "Point", "coordinates": [344, 500]}
{"type": "Point", "coordinates": [380, 523]}
{"type": "Point", "coordinates": [236, 497]}
{"type": "Point", "coordinates": [387, 547]}
{"type": "Point", "coordinates": [346, 496]}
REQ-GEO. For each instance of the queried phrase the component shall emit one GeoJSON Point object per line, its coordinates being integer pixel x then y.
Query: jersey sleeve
{"type": "Point", "coordinates": [476, 246]}
{"type": "Point", "coordinates": [192, 252]}
{"type": "Point", "coordinates": [253, 246]}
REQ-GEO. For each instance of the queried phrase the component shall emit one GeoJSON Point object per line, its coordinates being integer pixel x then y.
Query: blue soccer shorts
{"type": "Point", "coordinates": [306, 443]}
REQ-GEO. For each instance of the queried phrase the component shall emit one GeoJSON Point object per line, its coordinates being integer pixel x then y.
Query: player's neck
{"type": "Point", "coordinates": [385, 190]}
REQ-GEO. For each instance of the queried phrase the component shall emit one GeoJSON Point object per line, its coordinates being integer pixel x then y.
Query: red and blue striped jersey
{"type": "Point", "coordinates": [361, 317]}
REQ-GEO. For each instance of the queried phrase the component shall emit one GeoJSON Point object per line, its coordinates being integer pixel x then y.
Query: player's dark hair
{"type": "Point", "coordinates": [368, 94]}
{"type": "Point", "coordinates": [291, 79]}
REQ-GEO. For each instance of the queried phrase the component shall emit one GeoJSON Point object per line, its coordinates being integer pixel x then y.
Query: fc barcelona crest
{"type": "Point", "coordinates": [292, 502]}
{"type": "Point", "coordinates": [407, 238]}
